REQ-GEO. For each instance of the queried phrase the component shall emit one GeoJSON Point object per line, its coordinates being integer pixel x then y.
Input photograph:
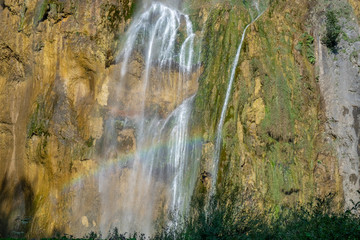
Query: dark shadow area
{"type": "Point", "coordinates": [15, 196]}
{"type": "Point", "coordinates": [4, 218]}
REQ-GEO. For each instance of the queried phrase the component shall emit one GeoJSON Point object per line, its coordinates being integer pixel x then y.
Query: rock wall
{"type": "Point", "coordinates": [291, 130]}
{"type": "Point", "coordinates": [274, 143]}
{"type": "Point", "coordinates": [56, 61]}
{"type": "Point", "coordinates": [339, 81]}
{"type": "Point", "coordinates": [59, 85]}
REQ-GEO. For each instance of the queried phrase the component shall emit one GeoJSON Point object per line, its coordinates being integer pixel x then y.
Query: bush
{"type": "Point", "coordinates": [333, 30]}
{"type": "Point", "coordinates": [229, 218]}
{"type": "Point", "coordinates": [231, 221]}
{"type": "Point", "coordinates": [222, 218]}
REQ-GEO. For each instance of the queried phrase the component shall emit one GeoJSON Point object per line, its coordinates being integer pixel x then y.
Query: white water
{"type": "Point", "coordinates": [218, 138]}
{"type": "Point", "coordinates": [163, 35]}
{"type": "Point", "coordinates": [161, 173]}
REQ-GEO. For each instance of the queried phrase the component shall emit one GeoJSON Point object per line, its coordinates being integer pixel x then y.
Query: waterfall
{"type": "Point", "coordinates": [218, 137]}
{"type": "Point", "coordinates": [161, 172]}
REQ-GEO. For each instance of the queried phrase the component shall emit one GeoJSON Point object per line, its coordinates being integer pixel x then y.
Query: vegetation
{"type": "Point", "coordinates": [41, 12]}
{"type": "Point", "coordinates": [306, 47]}
{"type": "Point", "coordinates": [333, 29]}
{"type": "Point", "coordinates": [90, 142]}
{"type": "Point", "coordinates": [39, 120]}
{"type": "Point", "coordinates": [280, 148]}
{"type": "Point", "coordinates": [348, 39]}
{"type": "Point", "coordinates": [228, 217]}
{"type": "Point", "coordinates": [312, 221]}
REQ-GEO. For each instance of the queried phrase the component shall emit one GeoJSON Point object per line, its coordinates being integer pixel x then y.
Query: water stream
{"type": "Point", "coordinates": [218, 138]}
{"type": "Point", "coordinates": [160, 174]}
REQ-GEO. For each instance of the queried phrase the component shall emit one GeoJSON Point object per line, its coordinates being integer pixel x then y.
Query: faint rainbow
{"type": "Point", "coordinates": [108, 164]}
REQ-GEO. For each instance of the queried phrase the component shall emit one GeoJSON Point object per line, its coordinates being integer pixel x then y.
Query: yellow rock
{"type": "Point", "coordinates": [85, 221]}
{"type": "Point", "coordinates": [356, 6]}
{"type": "Point", "coordinates": [257, 86]}
{"type": "Point", "coordinates": [259, 109]}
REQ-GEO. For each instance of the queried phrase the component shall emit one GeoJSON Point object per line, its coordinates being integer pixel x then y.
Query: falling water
{"type": "Point", "coordinates": [160, 174]}
{"type": "Point", "coordinates": [224, 108]}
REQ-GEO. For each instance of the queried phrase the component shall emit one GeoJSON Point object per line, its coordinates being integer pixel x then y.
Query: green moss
{"type": "Point", "coordinates": [354, 56]}
{"type": "Point", "coordinates": [90, 142]}
{"type": "Point", "coordinates": [348, 39]}
{"type": "Point", "coordinates": [39, 121]}
{"type": "Point", "coordinates": [41, 10]}
{"type": "Point", "coordinates": [284, 96]}
{"type": "Point", "coordinates": [277, 159]}
{"type": "Point", "coordinates": [220, 41]}
{"type": "Point", "coordinates": [114, 15]}
{"type": "Point", "coordinates": [22, 17]}
{"type": "Point", "coordinates": [41, 150]}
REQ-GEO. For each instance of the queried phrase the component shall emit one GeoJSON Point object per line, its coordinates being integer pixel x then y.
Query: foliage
{"type": "Point", "coordinates": [230, 217]}
{"type": "Point", "coordinates": [219, 219]}
{"type": "Point", "coordinates": [306, 47]}
{"type": "Point", "coordinates": [41, 12]}
{"type": "Point", "coordinates": [312, 221]}
{"type": "Point", "coordinates": [333, 30]}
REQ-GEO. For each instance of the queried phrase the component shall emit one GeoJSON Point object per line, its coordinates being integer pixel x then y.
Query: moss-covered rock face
{"type": "Point", "coordinates": [58, 70]}
{"type": "Point", "coordinates": [273, 143]}
{"type": "Point", "coordinates": [56, 59]}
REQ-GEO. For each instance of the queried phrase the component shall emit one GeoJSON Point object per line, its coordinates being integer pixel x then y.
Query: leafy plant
{"type": "Point", "coordinates": [306, 46]}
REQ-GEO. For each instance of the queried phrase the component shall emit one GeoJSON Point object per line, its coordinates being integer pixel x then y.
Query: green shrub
{"type": "Point", "coordinates": [227, 217]}
{"type": "Point", "coordinates": [224, 220]}
{"type": "Point", "coordinates": [306, 46]}
{"type": "Point", "coordinates": [333, 29]}
{"type": "Point", "coordinates": [218, 220]}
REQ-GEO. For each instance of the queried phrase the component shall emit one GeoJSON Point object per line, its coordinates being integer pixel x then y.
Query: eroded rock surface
{"type": "Point", "coordinates": [339, 79]}
{"type": "Point", "coordinates": [291, 131]}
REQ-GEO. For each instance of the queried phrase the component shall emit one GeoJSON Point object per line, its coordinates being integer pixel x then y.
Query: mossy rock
{"type": "Point", "coordinates": [40, 120]}
{"type": "Point", "coordinates": [42, 7]}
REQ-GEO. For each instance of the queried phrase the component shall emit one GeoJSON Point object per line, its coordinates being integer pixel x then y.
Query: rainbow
{"type": "Point", "coordinates": [115, 162]}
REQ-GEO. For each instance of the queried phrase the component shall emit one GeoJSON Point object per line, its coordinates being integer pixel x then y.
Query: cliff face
{"type": "Point", "coordinates": [274, 141]}
{"type": "Point", "coordinates": [55, 65]}
{"type": "Point", "coordinates": [291, 131]}
{"type": "Point", "coordinates": [339, 81]}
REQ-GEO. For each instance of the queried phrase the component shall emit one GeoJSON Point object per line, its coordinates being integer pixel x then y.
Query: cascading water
{"type": "Point", "coordinates": [160, 173]}
{"type": "Point", "coordinates": [225, 105]}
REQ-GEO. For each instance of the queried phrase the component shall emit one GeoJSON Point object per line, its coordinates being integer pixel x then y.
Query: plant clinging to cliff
{"type": "Point", "coordinates": [333, 28]}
